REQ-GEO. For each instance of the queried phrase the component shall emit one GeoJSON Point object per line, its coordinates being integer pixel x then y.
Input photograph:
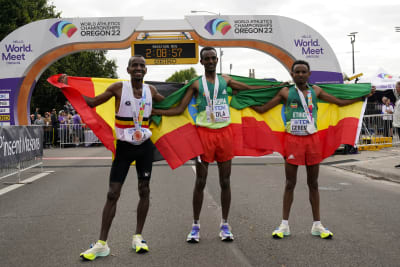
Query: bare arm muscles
{"type": "Point", "coordinates": [276, 100]}
{"type": "Point", "coordinates": [103, 97]}
{"type": "Point", "coordinates": [182, 105]}
{"type": "Point", "coordinates": [157, 97]}
{"type": "Point", "coordinates": [235, 85]}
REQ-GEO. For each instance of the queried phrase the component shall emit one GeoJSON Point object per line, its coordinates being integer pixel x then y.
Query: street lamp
{"type": "Point", "coordinates": [220, 50]}
{"type": "Point", "coordinates": [352, 40]}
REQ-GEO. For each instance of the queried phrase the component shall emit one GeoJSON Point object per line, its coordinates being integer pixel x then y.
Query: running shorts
{"type": "Point", "coordinates": [125, 154]}
{"type": "Point", "coordinates": [302, 150]}
{"type": "Point", "coordinates": [217, 144]}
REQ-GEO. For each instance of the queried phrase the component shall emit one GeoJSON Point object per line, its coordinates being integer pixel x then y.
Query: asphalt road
{"type": "Point", "coordinates": [50, 221]}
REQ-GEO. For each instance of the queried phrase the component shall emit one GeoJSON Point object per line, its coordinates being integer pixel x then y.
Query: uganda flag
{"type": "Point", "coordinates": [254, 134]}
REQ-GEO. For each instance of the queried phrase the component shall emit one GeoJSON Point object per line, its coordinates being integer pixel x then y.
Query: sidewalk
{"type": "Point", "coordinates": [375, 164]}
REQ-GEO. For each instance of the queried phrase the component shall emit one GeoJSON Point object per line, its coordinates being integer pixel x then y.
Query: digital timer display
{"type": "Point", "coordinates": [167, 52]}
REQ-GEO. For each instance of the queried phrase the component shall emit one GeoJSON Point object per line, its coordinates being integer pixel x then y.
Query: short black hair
{"type": "Point", "coordinates": [301, 62]}
{"type": "Point", "coordinates": [132, 57]}
{"type": "Point", "coordinates": [206, 48]}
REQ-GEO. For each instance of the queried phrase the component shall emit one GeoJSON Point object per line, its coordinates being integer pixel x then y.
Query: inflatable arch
{"type": "Point", "coordinates": [29, 50]}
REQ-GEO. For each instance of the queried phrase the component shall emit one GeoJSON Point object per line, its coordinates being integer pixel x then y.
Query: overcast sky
{"type": "Point", "coordinates": [377, 44]}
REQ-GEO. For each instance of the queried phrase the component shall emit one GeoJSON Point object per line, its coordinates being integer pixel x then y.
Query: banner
{"type": "Point", "coordinates": [20, 143]}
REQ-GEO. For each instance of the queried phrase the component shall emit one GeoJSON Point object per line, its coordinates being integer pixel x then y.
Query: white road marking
{"type": "Point", "coordinates": [24, 182]}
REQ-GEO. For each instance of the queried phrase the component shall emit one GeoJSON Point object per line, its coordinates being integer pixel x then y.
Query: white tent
{"type": "Point", "coordinates": [382, 80]}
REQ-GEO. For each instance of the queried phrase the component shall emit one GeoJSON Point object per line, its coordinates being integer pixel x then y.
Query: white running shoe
{"type": "Point", "coordinates": [139, 244]}
{"type": "Point", "coordinates": [194, 235]}
{"type": "Point", "coordinates": [281, 231]}
{"type": "Point", "coordinates": [95, 250]}
{"type": "Point", "coordinates": [321, 231]}
{"type": "Point", "coordinates": [225, 233]}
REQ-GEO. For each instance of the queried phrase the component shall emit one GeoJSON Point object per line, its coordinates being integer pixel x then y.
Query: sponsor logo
{"type": "Point", "coordinates": [63, 27]}
{"type": "Point", "coordinates": [384, 76]}
{"type": "Point", "coordinates": [215, 25]}
{"type": "Point", "coordinates": [4, 103]}
{"type": "Point", "coordinates": [224, 92]}
{"type": "Point", "coordinates": [291, 156]}
{"type": "Point", "coordinates": [310, 48]}
{"type": "Point", "coordinates": [16, 52]}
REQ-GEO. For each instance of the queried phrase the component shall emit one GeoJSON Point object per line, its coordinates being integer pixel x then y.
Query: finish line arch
{"type": "Point", "coordinates": [30, 49]}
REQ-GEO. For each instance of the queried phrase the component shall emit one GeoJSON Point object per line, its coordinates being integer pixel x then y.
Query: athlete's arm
{"type": "Point", "coordinates": [99, 99]}
{"type": "Point", "coordinates": [190, 91]}
{"type": "Point", "coordinates": [157, 97]}
{"type": "Point", "coordinates": [282, 95]}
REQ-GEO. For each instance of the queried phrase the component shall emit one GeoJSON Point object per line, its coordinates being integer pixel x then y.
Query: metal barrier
{"type": "Point", "coordinates": [377, 132]}
{"type": "Point", "coordinates": [13, 167]}
{"type": "Point", "coordinates": [76, 135]}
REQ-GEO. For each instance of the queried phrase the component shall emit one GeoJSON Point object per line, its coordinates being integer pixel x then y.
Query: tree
{"type": "Point", "coordinates": [183, 75]}
{"type": "Point", "coordinates": [84, 64]}
{"type": "Point", "coordinates": [17, 13]}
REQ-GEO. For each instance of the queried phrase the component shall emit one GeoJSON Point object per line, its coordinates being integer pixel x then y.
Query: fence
{"type": "Point", "coordinates": [76, 135]}
{"type": "Point", "coordinates": [377, 132]}
{"type": "Point", "coordinates": [20, 149]}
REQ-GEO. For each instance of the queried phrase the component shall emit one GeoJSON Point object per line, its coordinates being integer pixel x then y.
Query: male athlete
{"type": "Point", "coordinates": [133, 105]}
{"type": "Point", "coordinates": [302, 145]}
{"type": "Point", "coordinates": [212, 121]}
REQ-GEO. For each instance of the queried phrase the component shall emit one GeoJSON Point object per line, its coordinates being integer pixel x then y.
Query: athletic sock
{"type": "Point", "coordinates": [316, 223]}
{"type": "Point", "coordinates": [285, 222]}
{"type": "Point", "coordinates": [102, 242]}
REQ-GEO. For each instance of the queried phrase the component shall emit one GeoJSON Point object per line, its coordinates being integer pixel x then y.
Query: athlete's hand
{"type": "Point", "coordinates": [63, 78]}
{"type": "Point", "coordinates": [259, 109]}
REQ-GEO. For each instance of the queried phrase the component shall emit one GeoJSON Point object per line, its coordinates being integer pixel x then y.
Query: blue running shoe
{"type": "Point", "coordinates": [194, 235]}
{"type": "Point", "coordinates": [225, 233]}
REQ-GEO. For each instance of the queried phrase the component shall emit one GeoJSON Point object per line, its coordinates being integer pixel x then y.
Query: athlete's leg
{"type": "Point", "coordinates": [312, 182]}
{"type": "Point", "coordinates": [109, 209]}
{"type": "Point", "coordinates": [224, 169]}
{"type": "Point", "coordinates": [291, 178]}
{"type": "Point", "coordinates": [144, 165]}
{"type": "Point", "coordinates": [198, 191]}
{"type": "Point", "coordinates": [143, 205]}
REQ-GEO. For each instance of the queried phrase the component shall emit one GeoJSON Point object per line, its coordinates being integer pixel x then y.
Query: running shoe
{"type": "Point", "coordinates": [139, 244]}
{"type": "Point", "coordinates": [95, 250]}
{"type": "Point", "coordinates": [281, 231]}
{"type": "Point", "coordinates": [225, 233]}
{"type": "Point", "coordinates": [194, 235]}
{"type": "Point", "coordinates": [321, 231]}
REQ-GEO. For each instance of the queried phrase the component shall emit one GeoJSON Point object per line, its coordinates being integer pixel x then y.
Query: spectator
{"type": "Point", "coordinates": [36, 113]}
{"type": "Point", "coordinates": [54, 125]}
{"type": "Point", "coordinates": [39, 121]}
{"type": "Point", "coordinates": [68, 108]}
{"type": "Point", "coordinates": [47, 129]}
{"type": "Point", "coordinates": [32, 119]}
{"type": "Point", "coordinates": [77, 128]}
{"type": "Point", "coordinates": [387, 109]}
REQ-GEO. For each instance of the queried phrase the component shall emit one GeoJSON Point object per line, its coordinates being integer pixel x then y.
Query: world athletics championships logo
{"type": "Point", "coordinates": [384, 76]}
{"type": "Point", "coordinates": [63, 27]}
{"type": "Point", "coordinates": [217, 25]}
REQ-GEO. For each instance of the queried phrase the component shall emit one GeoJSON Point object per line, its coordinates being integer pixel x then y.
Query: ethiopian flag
{"type": "Point", "coordinates": [254, 134]}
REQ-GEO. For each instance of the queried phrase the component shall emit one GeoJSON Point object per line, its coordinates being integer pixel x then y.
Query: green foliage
{"type": "Point", "coordinates": [182, 75]}
{"type": "Point", "coordinates": [83, 64]}
{"type": "Point", "coordinates": [17, 13]}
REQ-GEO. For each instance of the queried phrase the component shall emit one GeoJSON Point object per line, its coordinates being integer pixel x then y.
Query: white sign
{"type": "Point", "coordinates": [4, 110]}
{"type": "Point", "coordinates": [4, 103]}
{"type": "Point", "coordinates": [5, 96]}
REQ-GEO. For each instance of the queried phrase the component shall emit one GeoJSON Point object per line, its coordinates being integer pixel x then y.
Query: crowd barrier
{"type": "Point", "coordinates": [21, 148]}
{"type": "Point", "coordinates": [76, 135]}
{"type": "Point", "coordinates": [377, 132]}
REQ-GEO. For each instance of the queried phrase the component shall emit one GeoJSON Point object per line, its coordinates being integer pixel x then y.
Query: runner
{"type": "Point", "coordinates": [133, 105]}
{"type": "Point", "coordinates": [302, 145]}
{"type": "Point", "coordinates": [213, 120]}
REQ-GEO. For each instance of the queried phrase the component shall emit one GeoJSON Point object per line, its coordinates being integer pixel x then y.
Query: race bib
{"type": "Point", "coordinates": [299, 126]}
{"type": "Point", "coordinates": [221, 113]}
